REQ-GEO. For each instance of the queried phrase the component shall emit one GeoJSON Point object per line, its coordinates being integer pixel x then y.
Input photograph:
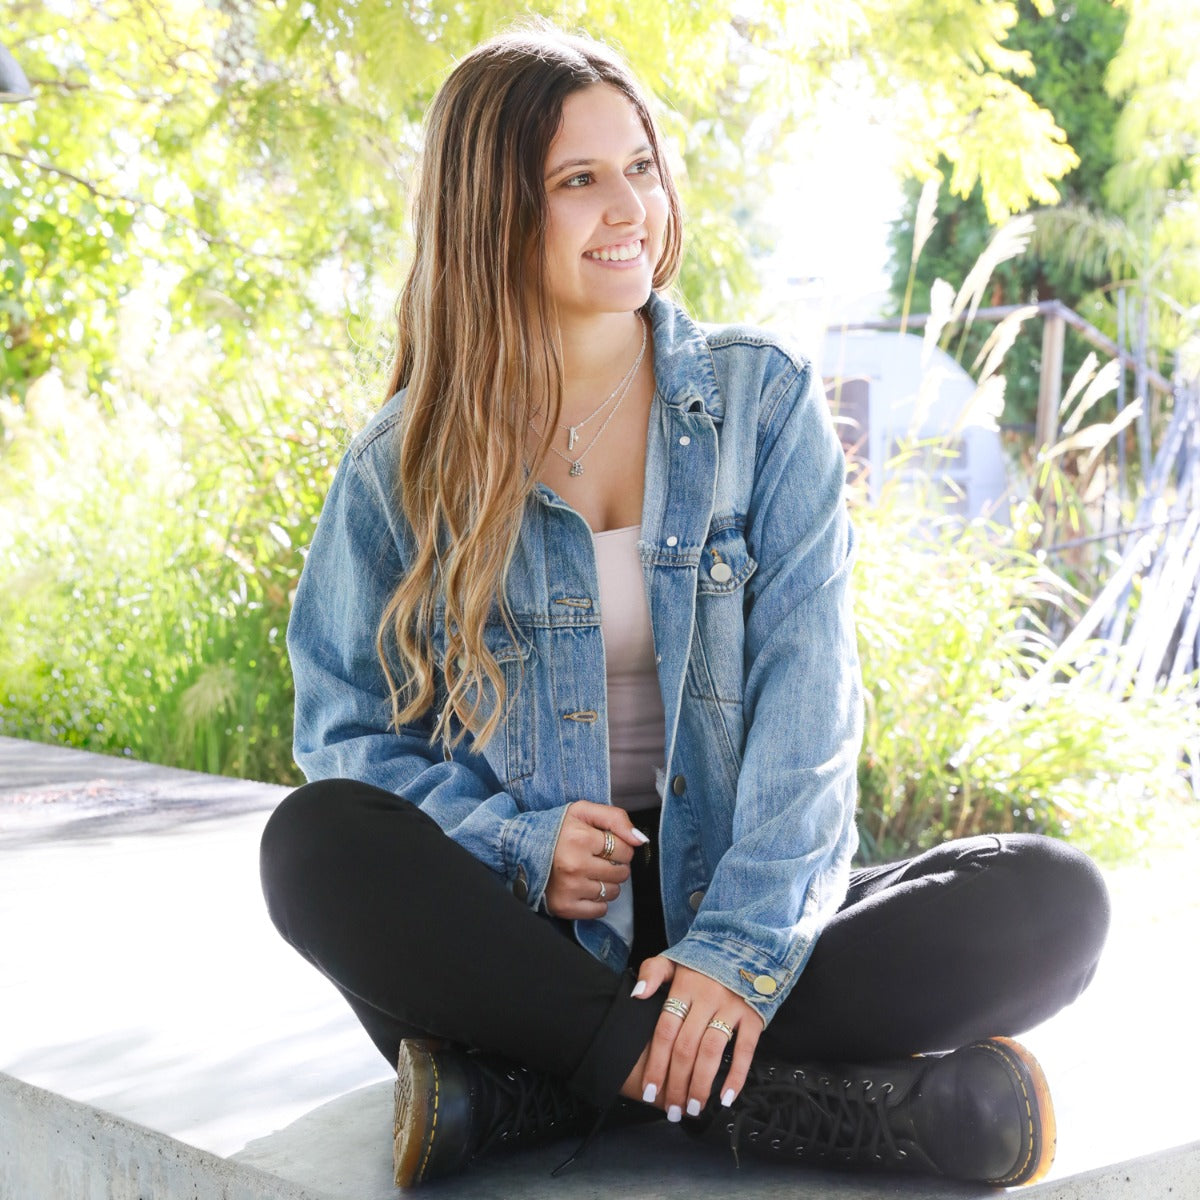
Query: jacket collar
{"type": "Point", "coordinates": [684, 374]}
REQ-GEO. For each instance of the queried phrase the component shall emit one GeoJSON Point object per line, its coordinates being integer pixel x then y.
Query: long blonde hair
{"type": "Point", "coordinates": [477, 352]}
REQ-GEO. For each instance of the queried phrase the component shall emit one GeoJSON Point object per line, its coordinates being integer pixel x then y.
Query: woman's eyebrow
{"type": "Point", "coordinates": [587, 162]}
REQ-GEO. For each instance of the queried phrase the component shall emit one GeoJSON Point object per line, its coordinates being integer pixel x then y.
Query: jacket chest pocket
{"type": "Point", "coordinates": [510, 753]}
{"type": "Point", "coordinates": [715, 667]}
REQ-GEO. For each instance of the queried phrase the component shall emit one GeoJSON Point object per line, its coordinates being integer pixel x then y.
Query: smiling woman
{"type": "Point", "coordinates": [578, 697]}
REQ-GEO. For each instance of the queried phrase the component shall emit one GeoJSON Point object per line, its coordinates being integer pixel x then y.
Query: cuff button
{"type": "Point", "coordinates": [764, 985]}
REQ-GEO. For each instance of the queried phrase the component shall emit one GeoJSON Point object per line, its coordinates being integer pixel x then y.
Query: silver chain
{"type": "Point", "coordinates": [619, 393]}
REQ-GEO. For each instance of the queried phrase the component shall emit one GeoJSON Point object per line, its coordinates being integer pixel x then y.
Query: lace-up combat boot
{"type": "Point", "coordinates": [982, 1113]}
{"type": "Point", "coordinates": [454, 1106]}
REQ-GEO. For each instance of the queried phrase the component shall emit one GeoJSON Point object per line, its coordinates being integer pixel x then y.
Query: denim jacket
{"type": "Point", "coordinates": [746, 552]}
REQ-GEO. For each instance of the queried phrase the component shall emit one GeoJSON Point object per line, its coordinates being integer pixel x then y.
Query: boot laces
{"type": "Point", "coordinates": [526, 1106]}
{"type": "Point", "coordinates": [818, 1116]}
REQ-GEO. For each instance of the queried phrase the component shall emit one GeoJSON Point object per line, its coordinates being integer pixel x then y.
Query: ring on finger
{"type": "Point", "coordinates": [676, 1007]}
{"type": "Point", "coordinates": [721, 1027]}
{"type": "Point", "coordinates": [603, 892]}
{"type": "Point", "coordinates": [610, 844]}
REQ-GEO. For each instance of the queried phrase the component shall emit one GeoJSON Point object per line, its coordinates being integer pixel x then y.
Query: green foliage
{"type": "Point", "coordinates": [250, 161]}
{"type": "Point", "coordinates": [966, 732]}
{"type": "Point", "coordinates": [149, 554]}
{"type": "Point", "coordinates": [1070, 50]}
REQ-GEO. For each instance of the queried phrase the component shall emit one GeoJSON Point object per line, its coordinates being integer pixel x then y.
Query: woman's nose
{"type": "Point", "coordinates": [624, 205]}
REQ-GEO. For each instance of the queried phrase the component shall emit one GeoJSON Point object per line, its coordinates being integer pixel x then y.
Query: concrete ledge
{"type": "Point", "coordinates": [1169, 1175]}
{"type": "Point", "coordinates": [52, 1148]}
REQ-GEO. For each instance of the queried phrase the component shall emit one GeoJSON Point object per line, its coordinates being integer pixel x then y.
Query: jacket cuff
{"type": "Point", "coordinates": [761, 982]}
{"type": "Point", "coordinates": [527, 844]}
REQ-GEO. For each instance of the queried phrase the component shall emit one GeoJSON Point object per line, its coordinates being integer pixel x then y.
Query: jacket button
{"type": "Point", "coordinates": [764, 985]}
{"type": "Point", "coordinates": [672, 540]}
{"type": "Point", "coordinates": [520, 887]}
{"type": "Point", "coordinates": [695, 900]}
{"type": "Point", "coordinates": [679, 785]}
{"type": "Point", "coordinates": [721, 572]}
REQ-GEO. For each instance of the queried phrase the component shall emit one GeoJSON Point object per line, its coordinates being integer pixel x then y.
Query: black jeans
{"type": "Point", "coordinates": [981, 937]}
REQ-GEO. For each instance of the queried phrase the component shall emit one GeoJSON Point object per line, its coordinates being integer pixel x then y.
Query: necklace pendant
{"type": "Point", "coordinates": [576, 468]}
{"type": "Point", "coordinates": [572, 435]}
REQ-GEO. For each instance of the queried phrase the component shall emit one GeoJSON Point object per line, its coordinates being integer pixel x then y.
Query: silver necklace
{"type": "Point", "coordinates": [619, 394]}
{"type": "Point", "coordinates": [573, 430]}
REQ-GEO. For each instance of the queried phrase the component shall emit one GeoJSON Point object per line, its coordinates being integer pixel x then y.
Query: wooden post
{"type": "Point", "coordinates": [1050, 388]}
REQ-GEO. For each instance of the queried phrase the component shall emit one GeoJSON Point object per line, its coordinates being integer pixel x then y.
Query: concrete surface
{"type": "Point", "coordinates": [141, 978]}
{"type": "Point", "coordinates": [52, 1147]}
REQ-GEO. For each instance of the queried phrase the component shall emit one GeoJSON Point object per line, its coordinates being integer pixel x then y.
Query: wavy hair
{"type": "Point", "coordinates": [477, 353]}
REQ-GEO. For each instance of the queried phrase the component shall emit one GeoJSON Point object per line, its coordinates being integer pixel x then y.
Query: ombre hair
{"type": "Point", "coordinates": [477, 352]}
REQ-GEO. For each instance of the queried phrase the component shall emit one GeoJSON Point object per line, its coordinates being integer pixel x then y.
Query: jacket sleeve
{"type": "Point", "coordinates": [342, 720]}
{"type": "Point", "coordinates": [787, 868]}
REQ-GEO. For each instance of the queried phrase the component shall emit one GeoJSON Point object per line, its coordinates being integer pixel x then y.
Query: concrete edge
{"type": "Point", "coordinates": [55, 1148]}
{"type": "Point", "coordinates": [1171, 1173]}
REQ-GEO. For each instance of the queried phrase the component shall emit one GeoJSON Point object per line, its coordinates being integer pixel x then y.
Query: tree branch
{"type": "Point", "coordinates": [210, 239]}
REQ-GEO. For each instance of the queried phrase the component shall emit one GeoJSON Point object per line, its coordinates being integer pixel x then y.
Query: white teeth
{"type": "Point", "coordinates": [617, 253]}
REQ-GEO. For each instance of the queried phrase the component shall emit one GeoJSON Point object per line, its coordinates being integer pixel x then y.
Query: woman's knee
{"type": "Point", "coordinates": [1064, 885]}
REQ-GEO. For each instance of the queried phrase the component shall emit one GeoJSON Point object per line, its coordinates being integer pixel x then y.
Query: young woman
{"type": "Point", "coordinates": [577, 691]}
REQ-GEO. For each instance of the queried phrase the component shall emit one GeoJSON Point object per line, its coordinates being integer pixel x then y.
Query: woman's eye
{"type": "Point", "coordinates": [577, 180]}
{"type": "Point", "coordinates": [643, 166]}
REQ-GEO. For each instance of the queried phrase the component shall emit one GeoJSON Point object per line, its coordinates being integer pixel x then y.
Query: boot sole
{"type": "Point", "coordinates": [418, 1093]}
{"type": "Point", "coordinates": [1041, 1131]}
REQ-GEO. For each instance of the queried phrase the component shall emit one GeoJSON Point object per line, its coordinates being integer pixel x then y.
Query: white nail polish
{"type": "Point", "coordinates": [640, 837]}
{"type": "Point", "coordinates": [639, 988]}
{"type": "Point", "coordinates": [675, 1113]}
{"type": "Point", "coordinates": [650, 1093]}
{"type": "Point", "coordinates": [727, 1097]}
{"type": "Point", "coordinates": [694, 1106]}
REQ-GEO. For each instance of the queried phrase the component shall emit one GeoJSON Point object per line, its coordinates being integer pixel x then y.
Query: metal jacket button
{"type": "Point", "coordinates": [520, 887]}
{"type": "Point", "coordinates": [695, 900]}
{"type": "Point", "coordinates": [679, 785]}
{"type": "Point", "coordinates": [721, 572]}
{"type": "Point", "coordinates": [764, 985]}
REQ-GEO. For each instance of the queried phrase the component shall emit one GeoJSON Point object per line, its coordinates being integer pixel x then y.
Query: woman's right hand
{"type": "Point", "coordinates": [579, 866]}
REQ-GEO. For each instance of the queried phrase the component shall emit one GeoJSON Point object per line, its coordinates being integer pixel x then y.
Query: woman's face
{"type": "Point", "coordinates": [607, 207]}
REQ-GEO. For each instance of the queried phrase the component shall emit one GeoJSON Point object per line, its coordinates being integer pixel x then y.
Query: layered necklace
{"type": "Point", "coordinates": [618, 394]}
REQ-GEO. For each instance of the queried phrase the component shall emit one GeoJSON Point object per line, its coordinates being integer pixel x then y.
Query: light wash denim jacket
{"type": "Point", "coordinates": [746, 552]}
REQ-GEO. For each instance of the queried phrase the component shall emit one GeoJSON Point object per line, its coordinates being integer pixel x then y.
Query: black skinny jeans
{"type": "Point", "coordinates": [981, 937]}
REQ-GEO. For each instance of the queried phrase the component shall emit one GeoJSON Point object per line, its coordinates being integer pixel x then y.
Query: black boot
{"type": "Point", "coordinates": [982, 1113]}
{"type": "Point", "coordinates": [455, 1105]}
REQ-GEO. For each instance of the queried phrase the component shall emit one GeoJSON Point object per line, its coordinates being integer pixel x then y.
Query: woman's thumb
{"type": "Point", "coordinates": [653, 974]}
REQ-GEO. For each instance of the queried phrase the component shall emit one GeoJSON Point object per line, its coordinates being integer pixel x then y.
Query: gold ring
{"type": "Point", "coordinates": [727, 1030]}
{"type": "Point", "coordinates": [603, 892]}
{"type": "Point", "coordinates": [610, 844]}
{"type": "Point", "coordinates": [676, 1007]}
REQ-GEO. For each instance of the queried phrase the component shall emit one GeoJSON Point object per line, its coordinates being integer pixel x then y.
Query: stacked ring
{"type": "Point", "coordinates": [721, 1027]}
{"type": "Point", "coordinates": [610, 844]}
{"type": "Point", "coordinates": [676, 1007]}
{"type": "Point", "coordinates": [603, 892]}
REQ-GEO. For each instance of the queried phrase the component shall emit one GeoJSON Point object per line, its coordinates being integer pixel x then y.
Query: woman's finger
{"type": "Point", "coordinates": [719, 1031]}
{"type": "Point", "coordinates": [608, 817]}
{"type": "Point", "coordinates": [652, 974]}
{"type": "Point", "coordinates": [749, 1030]}
{"type": "Point", "coordinates": [682, 1065]}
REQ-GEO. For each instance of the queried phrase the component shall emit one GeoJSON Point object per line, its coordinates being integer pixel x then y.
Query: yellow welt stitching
{"type": "Point", "coordinates": [1028, 1111]}
{"type": "Point", "coordinates": [433, 1131]}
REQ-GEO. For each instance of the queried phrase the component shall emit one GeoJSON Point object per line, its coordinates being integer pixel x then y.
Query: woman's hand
{"type": "Point", "coordinates": [685, 1053]}
{"type": "Point", "coordinates": [584, 859]}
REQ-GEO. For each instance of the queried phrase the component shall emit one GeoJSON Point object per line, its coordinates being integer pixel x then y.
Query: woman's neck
{"type": "Point", "coordinates": [596, 353]}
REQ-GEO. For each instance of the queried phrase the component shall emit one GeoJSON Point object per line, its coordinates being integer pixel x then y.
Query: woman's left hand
{"type": "Point", "coordinates": [685, 1054]}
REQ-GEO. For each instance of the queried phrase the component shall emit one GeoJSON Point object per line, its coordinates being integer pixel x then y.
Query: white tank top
{"type": "Point", "coordinates": [636, 719]}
